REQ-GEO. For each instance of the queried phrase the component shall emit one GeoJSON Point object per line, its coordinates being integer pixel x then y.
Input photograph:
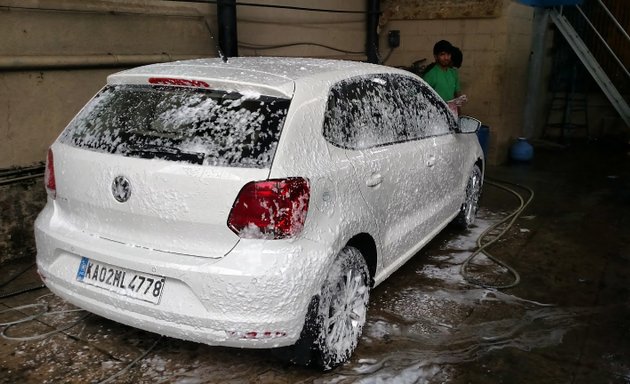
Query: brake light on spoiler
{"type": "Point", "coordinates": [178, 82]}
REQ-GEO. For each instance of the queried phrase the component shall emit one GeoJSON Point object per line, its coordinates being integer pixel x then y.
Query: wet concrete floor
{"type": "Point", "coordinates": [568, 321]}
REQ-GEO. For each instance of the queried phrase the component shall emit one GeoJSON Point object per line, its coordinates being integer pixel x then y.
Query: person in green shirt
{"type": "Point", "coordinates": [442, 76]}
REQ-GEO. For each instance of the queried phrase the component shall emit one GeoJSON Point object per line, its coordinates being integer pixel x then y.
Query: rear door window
{"type": "Point", "coordinates": [364, 112]}
{"type": "Point", "coordinates": [370, 111]}
{"type": "Point", "coordinates": [183, 124]}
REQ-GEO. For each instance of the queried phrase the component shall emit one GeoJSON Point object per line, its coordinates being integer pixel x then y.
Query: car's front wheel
{"type": "Point", "coordinates": [468, 210]}
{"type": "Point", "coordinates": [337, 315]}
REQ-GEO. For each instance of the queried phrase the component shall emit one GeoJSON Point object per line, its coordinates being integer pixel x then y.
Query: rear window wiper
{"type": "Point", "coordinates": [152, 151]}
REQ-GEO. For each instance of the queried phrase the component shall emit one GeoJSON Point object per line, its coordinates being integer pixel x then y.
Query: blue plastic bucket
{"type": "Point", "coordinates": [521, 150]}
{"type": "Point", "coordinates": [483, 135]}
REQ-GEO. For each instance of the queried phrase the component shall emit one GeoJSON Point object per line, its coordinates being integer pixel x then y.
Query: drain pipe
{"type": "Point", "coordinates": [42, 62]}
{"type": "Point", "coordinates": [226, 17]}
{"type": "Point", "coordinates": [371, 43]}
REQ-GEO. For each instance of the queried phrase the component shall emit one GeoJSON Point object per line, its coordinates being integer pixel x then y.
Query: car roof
{"type": "Point", "coordinates": [274, 76]}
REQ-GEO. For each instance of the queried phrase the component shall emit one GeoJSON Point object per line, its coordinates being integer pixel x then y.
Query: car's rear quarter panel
{"type": "Point", "coordinates": [336, 210]}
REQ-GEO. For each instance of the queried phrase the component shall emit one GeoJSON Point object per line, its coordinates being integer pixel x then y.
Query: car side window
{"type": "Point", "coordinates": [364, 112]}
{"type": "Point", "coordinates": [428, 115]}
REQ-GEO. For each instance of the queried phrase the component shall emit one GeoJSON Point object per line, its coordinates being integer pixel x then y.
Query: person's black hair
{"type": "Point", "coordinates": [457, 57]}
{"type": "Point", "coordinates": [442, 46]}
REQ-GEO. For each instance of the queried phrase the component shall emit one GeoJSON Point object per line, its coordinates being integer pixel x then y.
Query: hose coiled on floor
{"type": "Point", "coordinates": [481, 246]}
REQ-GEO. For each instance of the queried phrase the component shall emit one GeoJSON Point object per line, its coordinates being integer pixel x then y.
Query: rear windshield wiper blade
{"type": "Point", "coordinates": [153, 151]}
{"type": "Point", "coordinates": [153, 148]}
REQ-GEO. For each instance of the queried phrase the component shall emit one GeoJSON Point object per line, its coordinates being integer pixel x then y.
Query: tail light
{"type": "Point", "coordinates": [270, 209]}
{"type": "Point", "coordinates": [49, 176]}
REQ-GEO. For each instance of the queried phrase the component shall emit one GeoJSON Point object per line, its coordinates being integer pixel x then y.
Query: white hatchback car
{"type": "Point", "coordinates": [252, 203]}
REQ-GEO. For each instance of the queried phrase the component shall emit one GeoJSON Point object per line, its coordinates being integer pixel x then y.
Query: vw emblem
{"type": "Point", "coordinates": [121, 189]}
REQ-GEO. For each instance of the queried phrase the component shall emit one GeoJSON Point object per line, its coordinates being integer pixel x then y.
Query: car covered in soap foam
{"type": "Point", "coordinates": [252, 203]}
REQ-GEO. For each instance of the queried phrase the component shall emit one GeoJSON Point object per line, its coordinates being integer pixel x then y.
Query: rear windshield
{"type": "Point", "coordinates": [184, 124]}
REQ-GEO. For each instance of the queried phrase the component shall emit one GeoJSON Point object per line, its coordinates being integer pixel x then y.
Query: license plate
{"type": "Point", "coordinates": [134, 284]}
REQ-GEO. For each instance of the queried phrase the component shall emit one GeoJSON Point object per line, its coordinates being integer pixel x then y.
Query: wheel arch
{"type": "Point", "coordinates": [481, 164]}
{"type": "Point", "coordinates": [365, 243]}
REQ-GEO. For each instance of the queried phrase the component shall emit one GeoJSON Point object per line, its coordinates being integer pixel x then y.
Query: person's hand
{"type": "Point", "coordinates": [459, 101]}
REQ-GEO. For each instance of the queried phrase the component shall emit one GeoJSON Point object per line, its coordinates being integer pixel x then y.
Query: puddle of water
{"type": "Point", "coordinates": [420, 332]}
{"type": "Point", "coordinates": [418, 354]}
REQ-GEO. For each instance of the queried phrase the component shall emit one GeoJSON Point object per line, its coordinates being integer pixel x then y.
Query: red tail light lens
{"type": "Point", "coordinates": [270, 209]}
{"type": "Point", "coordinates": [49, 175]}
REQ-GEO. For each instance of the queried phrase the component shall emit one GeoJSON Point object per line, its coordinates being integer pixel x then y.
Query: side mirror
{"type": "Point", "coordinates": [468, 124]}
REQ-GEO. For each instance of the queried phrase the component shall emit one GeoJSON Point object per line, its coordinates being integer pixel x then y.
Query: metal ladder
{"type": "Point", "coordinates": [588, 59]}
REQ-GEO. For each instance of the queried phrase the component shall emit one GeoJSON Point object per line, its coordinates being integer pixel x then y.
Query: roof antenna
{"type": "Point", "coordinates": [217, 45]}
{"type": "Point", "coordinates": [221, 55]}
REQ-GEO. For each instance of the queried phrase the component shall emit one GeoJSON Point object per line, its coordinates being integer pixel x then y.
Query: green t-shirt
{"type": "Point", "coordinates": [445, 83]}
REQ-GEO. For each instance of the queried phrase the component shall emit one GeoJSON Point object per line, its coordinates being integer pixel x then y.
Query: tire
{"type": "Point", "coordinates": [336, 316]}
{"type": "Point", "coordinates": [468, 210]}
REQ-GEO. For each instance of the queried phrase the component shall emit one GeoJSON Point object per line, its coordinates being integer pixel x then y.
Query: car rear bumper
{"type": "Point", "coordinates": [255, 297]}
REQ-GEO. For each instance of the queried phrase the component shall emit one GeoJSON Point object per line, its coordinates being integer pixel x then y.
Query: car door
{"type": "Point", "coordinates": [433, 126]}
{"type": "Point", "coordinates": [390, 169]}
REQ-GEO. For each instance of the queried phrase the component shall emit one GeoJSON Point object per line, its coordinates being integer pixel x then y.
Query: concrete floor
{"type": "Point", "coordinates": [568, 321]}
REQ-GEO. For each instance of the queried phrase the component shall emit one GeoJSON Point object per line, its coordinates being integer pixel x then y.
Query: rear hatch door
{"type": "Point", "coordinates": [160, 167]}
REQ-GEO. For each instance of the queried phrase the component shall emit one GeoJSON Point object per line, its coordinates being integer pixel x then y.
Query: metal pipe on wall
{"type": "Point", "coordinates": [18, 63]}
{"type": "Point", "coordinates": [532, 106]}
{"type": "Point", "coordinates": [371, 43]}
{"type": "Point", "coordinates": [226, 21]}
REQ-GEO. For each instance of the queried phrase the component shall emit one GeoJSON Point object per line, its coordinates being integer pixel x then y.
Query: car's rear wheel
{"type": "Point", "coordinates": [468, 210]}
{"type": "Point", "coordinates": [337, 315]}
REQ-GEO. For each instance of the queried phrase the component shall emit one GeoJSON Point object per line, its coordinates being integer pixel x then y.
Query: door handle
{"type": "Point", "coordinates": [374, 180]}
{"type": "Point", "coordinates": [431, 161]}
